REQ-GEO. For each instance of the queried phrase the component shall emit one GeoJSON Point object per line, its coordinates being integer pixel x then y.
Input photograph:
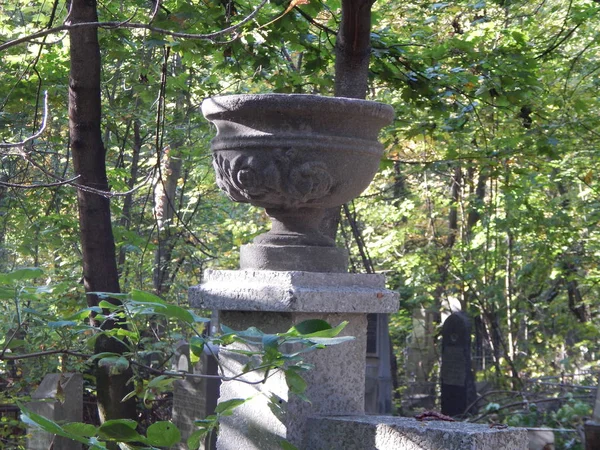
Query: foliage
{"type": "Point", "coordinates": [268, 354]}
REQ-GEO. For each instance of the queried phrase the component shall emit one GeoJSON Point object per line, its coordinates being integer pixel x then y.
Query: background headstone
{"type": "Point", "coordinates": [378, 377]}
{"type": "Point", "coordinates": [195, 398]}
{"type": "Point", "coordinates": [59, 398]}
{"type": "Point", "coordinates": [592, 427]}
{"type": "Point", "coordinates": [457, 379]}
{"type": "Point", "coordinates": [420, 359]}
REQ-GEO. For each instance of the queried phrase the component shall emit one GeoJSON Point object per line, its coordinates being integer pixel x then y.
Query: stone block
{"type": "Point", "coordinates": [402, 433]}
{"type": "Point", "coordinates": [295, 291]}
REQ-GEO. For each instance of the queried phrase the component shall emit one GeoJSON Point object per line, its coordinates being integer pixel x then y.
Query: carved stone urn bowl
{"type": "Point", "coordinates": [294, 155]}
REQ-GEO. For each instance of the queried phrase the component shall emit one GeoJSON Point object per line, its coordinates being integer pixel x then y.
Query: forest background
{"type": "Point", "coordinates": [487, 197]}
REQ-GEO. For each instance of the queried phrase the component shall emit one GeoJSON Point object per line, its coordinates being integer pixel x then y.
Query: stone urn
{"type": "Point", "coordinates": [295, 155]}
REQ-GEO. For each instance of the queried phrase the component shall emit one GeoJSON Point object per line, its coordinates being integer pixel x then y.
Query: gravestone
{"type": "Point", "coordinates": [457, 379]}
{"type": "Point", "coordinates": [592, 427]}
{"type": "Point", "coordinates": [194, 398]}
{"type": "Point", "coordinates": [420, 360]}
{"type": "Point", "coordinates": [59, 398]}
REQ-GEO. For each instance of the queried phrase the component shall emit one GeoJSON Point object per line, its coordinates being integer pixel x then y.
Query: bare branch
{"type": "Point", "coordinates": [40, 185]}
{"type": "Point", "coordinates": [110, 25]}
{"type": "Point", "coordinates": [24, 142]}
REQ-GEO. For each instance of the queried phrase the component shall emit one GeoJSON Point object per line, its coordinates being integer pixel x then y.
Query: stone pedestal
{"type": "Point", "coordinates": [403, 433]}
{"type": "Point", "coordinates": [273, 301]}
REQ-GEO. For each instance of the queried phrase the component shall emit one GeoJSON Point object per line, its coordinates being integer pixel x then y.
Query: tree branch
{"type": "Point", "coordinates": [110, 25]}
{"type": "Point", "coordinates": [33, 136]}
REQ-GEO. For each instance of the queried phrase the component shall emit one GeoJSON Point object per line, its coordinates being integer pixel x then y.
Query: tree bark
{"type": "Point", "coordinates": [97, 242]}
{"type": "Point", "coordinates": [352, 54]}
{"type": "Point", "coordinates": [353, 49]}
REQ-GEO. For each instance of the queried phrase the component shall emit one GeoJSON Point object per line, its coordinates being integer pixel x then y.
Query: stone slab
{"type": "Point", "coordinates": [402, 433]}
{"type": "Point", "coordinates": [293, 291]}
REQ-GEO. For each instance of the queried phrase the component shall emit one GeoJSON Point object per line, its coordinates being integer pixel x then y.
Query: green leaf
{"type": "Point", "coordinates": [84, 313]}
{"type": "Point", "coordinates": [7, 293]}
{"type": "Point", "coordinates": [161, 382]}
{"type": "Point", "coordinates": [108, 305]}
{"type": "Point", "coordinates": [163, 434]}
{"type": "Point", "coordinates": [145, 297]}
{"type": "Point", "coordinates": [116, 365]}
{"type": "Point", "coordinates": [177, 312]}
{"type": "Point", "coordinates": [309, 326]}
{"type": "Point", "coordinates": [316, 328]}
{"type": "Point", "coordinates": [120, 430]}
{"type": "Point", "coordinates": [80, 429]}
{"type": "Point", "coordinates": [196, 438]}
{"type": "Point", "coordinates": [28, 273]}
{"type": "Point", "coordinates": [197, 345]}
{"type": "Point", "coordinates": [331, 341]}
{"type": "Point", "coordinates": [270, 341]}
{"type": "Point", "coordinates": [285, 445]}
{"type": "Point", "coordinates": [62, 324]}
{"type": "Point", "coordinates": [295, 382]}
{"type": "Point", "coordinates": [45, 424]}
{"type": "Point", "coordinates": [226, 408]}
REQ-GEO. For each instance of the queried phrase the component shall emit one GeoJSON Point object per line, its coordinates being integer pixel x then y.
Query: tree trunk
{"type": "Point", "coordinates": [352, 53]}
{"type": "Point", "coordinates": [353, 49]}
{"type": "Point", "coordinates": [97, 242]}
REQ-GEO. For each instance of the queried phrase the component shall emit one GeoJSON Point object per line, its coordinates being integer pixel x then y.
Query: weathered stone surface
{"type": "Point", "coordinates": [335, 385]}
{"type": "Point", "coordinates": [401, 433]}
{"type": "Point", "coordinates": [294, 257]}
{"type": "Point", "coordinates": [253, 290]}
{"type": "Point", "coordinates": [59, 397]}
{"type": "Point", "coordinates": [295, 155]}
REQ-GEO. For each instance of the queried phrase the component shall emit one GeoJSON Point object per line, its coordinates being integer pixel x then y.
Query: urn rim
{"type": "Point", "coordinates": [214, 106]}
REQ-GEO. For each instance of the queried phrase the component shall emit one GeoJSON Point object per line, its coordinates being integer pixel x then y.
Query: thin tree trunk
{"type": "Point", "coordinates": [97, 242]}
{"type": "Point", "coordinates": [128, 202]}
{"type": "Point", "coordinates": [165, 212]}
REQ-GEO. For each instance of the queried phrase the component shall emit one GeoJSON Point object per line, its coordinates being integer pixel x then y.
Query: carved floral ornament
{"type": "Point", "coordinates": [281, 178]}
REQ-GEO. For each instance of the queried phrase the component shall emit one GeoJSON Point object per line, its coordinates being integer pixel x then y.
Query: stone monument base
{"type": "Point", "coordinates": [274, 301]}
{"type": "Point", "coordinates": [402, 433]}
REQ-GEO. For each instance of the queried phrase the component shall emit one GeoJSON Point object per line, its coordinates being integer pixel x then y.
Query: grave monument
{"type": "Point", "coordinates": [296, 155]}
